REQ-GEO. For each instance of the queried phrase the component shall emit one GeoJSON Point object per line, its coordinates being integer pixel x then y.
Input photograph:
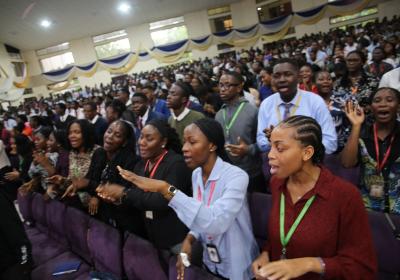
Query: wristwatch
{"type": "Point", "coordinates": [171, 191]}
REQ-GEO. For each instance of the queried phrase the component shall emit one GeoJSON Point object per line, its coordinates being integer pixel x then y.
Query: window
{"type": "Point", "coordinates": [168, 31]}
{"type": "Point", "coordinates": [220, 24]}
{"type": "Point", "coordinates": [53, 49]}
{"type": "Point", "coordinates": [113, 48]}
{"type": "Point", "coordinates": [363, 13]}
{"type": "Point", "coordinates": [57, 62]}
{"type": "Point", "coordinates": [166, 22]}
{"type": "Point", "coordinates": [109, 36]}
{"type": "Point", "coordinates": [165, 36]}
{"type": "Point", "coordinates": [218, 11]}
{"type": "Point", "coordinates": [111, 44]}
{"type": "Point", "coordinates": [274, 10]}
{"type": "Point", "coordinates": [18, 68]}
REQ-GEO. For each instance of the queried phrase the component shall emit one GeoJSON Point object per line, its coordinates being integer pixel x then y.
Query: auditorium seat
{"type": "Point", "coordinates": [332, 162]}
{"type": "Point", "coordinates": [105, 247]}
{"type": "Point", "coordinates": [140, 259]}
{"type": "Point", "coordinates": [260, 206]}
{"type": "Point", "coordinates": [386, 245]}
{"type": "Point", "coordinates": [25, 206]}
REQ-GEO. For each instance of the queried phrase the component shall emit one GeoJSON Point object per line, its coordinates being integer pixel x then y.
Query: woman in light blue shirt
{"type": "Point", "coordinates": [217, 214]}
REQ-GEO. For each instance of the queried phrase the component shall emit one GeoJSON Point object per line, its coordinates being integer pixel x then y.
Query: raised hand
{"type": "Point", "coordinates": [354, 113]}
{"type": "Point", "coordinates": [144, 183]}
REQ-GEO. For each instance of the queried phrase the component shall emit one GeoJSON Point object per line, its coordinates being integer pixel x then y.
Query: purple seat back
{"type": "Point", "coordinates": [76, 229]}
{"type": "Point", "coordinates": [56, 220]}
{"type": "Point", "coordinates": [332, 162]}
{"type": "Point", "coordinates": [140, 260]}
{"type": "Point", "coordinates": [25, 206]}
{"type": "Point", "coordinates": [191, 273]}
{"type": "Point", "coordinates": [105, 247]}
{"type": "Point", "coordinates": [260, 207]}
{"type": "Point", "coordinates": [386, 245]}
{"type": "Point", "coordinates": [39, 212]}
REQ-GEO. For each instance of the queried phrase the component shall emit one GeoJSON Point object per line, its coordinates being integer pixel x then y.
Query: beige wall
{"type": "Point", "coordinates": [244, 13]}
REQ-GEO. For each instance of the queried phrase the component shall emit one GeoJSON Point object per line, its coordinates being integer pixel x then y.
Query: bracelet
{"type": "Point", "coordinates": [323, 266]}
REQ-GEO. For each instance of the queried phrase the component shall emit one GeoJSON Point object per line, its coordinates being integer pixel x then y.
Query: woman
{"type": "Point", "coordinates": [324, 84]}
{"type": "Point", "coordinates": [217, 214]}
{"type": "Point", "coordinates": [356, 85]}
{"type": "Point", "coordinates": [118, 150]}
{"type": "Point", "coordinates": [43, 164]}
{"type": "Point", "coordinates": [306, 76]}
{"type": "Point", "coordinates": [325, 238]}
{"type": "Point", "coordinates": [58, 143]}
{"type": "Point", "coordinates": [376, 148]}
{"type": "Point", "coordinates": [81, 144]}
{"type": "Point", "coordinates": [20, 156]}
{"type": "Point", "coordinates": [390, 53]}
{"type": "Point", "coordinates": [160, 151]}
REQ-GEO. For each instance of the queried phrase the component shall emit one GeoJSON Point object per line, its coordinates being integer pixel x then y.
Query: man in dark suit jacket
{"type": "Point", "coordinates": [142, 110]}
{"type": "Point", "coordinates": [100, 123]}
{"type": "Point", "coordinates": [62, 119]}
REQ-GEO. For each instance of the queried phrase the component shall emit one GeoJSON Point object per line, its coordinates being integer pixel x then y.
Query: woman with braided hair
{"type": "Point", "coordinates": [316, 218]}
{"type": "Point", "coordinates": [217, 214]}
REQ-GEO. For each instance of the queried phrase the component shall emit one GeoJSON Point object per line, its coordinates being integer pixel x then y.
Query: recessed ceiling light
{"type": "Point", "coordinates": [45, 23]}
{"type": "Point", "coordinates": [259, 9]}
{"type": "Point", "coordinates": [124, 8]}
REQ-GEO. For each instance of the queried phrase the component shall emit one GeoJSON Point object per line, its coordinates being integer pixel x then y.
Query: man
{"type": "Point", "coordinates": [123, 96]}
{"type": "Point", "coordinates": [62, 118]}
{"type": "Point", "coordinates": [100, 124]}
{"type": "Point", "coordinates": [76, 111]}
{"type": "Point", "coordinates": [378, 67]}
{"type": "Point", "coordinates": [288, 101]}
{"type": "Point", "coordinates": [239, 120]}
{"type": "Point", "coordinates": [156, 104]}
{"type": "Point", "coordinates": [181, 116]}
{"type": "Point", "coordinates": [142, 110]}
{"type": "Point", "coordinates": [114, 110]}
{"type": "Point", "coordinates": [316, 56]}
{"type": "Point", "coordinates": [9, 122]}
{"type": "Point", "coordinates": [15, 248]}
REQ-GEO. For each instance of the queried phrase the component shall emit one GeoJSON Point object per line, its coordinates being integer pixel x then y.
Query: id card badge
{"type": "Point", "coordinates": [149, 215]}
{"type": "Point", "coordinates": [213, 253]}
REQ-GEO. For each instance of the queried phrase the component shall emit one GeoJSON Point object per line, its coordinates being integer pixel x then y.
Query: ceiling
{"type": "Point", "coordinates": [74, 19]}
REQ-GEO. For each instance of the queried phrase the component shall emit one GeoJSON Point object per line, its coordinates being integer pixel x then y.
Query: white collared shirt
{"type": "Point", "coordinates": [64, 118]}
{"type": "Point", "coordinates": [94, 120]}
{"type": "Point", "coordinates": [145, 117]}
{"type": "Point", "coordinates": [184, 113]}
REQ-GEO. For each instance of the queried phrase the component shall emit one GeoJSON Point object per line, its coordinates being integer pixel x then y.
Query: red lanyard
{"type": "Point", "coordinates": [381, 164]}
{"type": "Point", "coordinates": [154, 169]}
{"type": "Point", "coordinates": [200, 196]}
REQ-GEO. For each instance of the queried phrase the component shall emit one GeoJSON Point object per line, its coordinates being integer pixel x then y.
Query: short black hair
{"type": "Point", "coordinates": [141, 95]}
{"type": "Point", "coordinates": [117, 106]}
{"type": "Point", "coordinates": [62, 105]}
{"type": "Point", "coordinates": [289, 61]}
{"type": "Point", "coordinates": [360, 54]}
{"type": "Point", "coordinates": [92, 104]}
{"type": "Point", "coordinates": [395, 92]}
{"type": "Point", "coordinates": [238, 77]}
{"type": "Point", "coordinates": [185, 87]}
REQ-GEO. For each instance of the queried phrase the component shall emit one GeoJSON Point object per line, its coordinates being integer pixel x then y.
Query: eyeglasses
{"type": "Point", "coordinates": [227, 85]}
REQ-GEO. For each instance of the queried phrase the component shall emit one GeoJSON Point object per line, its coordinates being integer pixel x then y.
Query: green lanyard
{"type": "Point", "coordinates": [285, 239]}
{"type": "Point", "coordinates": [235, 115]}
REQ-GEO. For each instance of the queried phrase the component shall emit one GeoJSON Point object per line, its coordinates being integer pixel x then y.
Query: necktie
{"type": "Point", "coordinates": [139, 123]}
{"type": "Point", "coordinates": [286, 113]}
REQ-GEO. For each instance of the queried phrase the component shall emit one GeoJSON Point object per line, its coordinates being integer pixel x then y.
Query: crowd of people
{"type": "Point", "coordinates": [171, 154]}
